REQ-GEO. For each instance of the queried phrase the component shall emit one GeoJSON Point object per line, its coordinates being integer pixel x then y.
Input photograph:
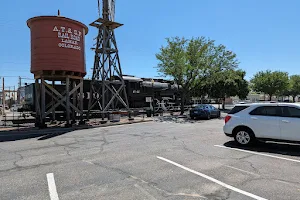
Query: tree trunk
{"type": "Point", "coordinates": [294, 99]}
{"type": "Point", "coordinates": [270, 97]}
{"type": "Point", "coordinates": [182, 103]}
{"type": "Point", "coordinates": [223, 103]}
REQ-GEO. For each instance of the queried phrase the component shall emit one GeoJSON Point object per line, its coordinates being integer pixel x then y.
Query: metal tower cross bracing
{"type": "Point", "coordinates": [107, 79]}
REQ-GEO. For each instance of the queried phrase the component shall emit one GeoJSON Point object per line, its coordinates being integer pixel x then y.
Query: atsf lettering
{"type": "Point", "coordinates": [63, 29]}
{"type": "Point", "coordinates": [69, 37]}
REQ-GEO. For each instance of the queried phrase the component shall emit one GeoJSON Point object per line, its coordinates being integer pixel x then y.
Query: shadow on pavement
{"type": "Point", "coordinates": [13, 135]}
{"type": "Point", "coordinates": [41, 134]}
{"type": "Point", "coordinates": [22, 133]}
{"type": "Point", "coordinates": [51, 132]}
{"type": "Point", "coordinates": [275, 148]}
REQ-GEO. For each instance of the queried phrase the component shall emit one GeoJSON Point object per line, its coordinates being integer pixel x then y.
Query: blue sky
{"type": "Point", "coordinates": [263, 33]}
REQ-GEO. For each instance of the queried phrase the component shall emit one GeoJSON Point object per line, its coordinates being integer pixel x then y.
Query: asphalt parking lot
{"type": "Point", "coordinates": [153, 160]}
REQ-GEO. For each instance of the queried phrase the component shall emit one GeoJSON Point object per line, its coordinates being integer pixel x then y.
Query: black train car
{"type": "Point", "coordinates": [137, 89]}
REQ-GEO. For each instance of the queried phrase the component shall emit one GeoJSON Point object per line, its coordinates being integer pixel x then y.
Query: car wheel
{"type": "Point", "coordinates": [244, 137]}
{"type": "Point", "coordinates": [208, 116]}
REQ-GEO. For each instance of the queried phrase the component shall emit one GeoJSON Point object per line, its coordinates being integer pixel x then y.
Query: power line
{"type": "Point", "coordinates": [17, 77]}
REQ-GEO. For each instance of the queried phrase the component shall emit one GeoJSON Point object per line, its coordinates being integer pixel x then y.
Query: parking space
{"type": "Point", "coordinates": [153, 160]}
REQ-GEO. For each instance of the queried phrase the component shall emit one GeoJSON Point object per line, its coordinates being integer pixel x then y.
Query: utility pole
{"type": "Point", "coordinates": [9, 100]}
{"type": "Point", "coordinates": [19, 90]}
{"type": "Point", "coordinates": [20, 81]}
{"type": "Point", "coordinates": [14, 94]}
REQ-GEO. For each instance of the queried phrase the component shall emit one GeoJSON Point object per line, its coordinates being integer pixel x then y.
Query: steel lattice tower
{"type": "Point", "coordinates": [107, 79]}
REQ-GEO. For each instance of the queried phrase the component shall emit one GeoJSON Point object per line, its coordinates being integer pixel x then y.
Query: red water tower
{"type": "Point", "coordinates": [57, 45]}
{"type": "Point", "coordinates": [57, 55]}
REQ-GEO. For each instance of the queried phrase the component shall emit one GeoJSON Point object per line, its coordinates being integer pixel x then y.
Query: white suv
{"type": "Point", "coordinates": [263, 121]}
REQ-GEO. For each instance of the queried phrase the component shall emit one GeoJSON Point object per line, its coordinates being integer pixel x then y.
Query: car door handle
{"type": "Point", "coordinates": [254, 118]}
{"type": "Point", "coordinates": [285, 121]}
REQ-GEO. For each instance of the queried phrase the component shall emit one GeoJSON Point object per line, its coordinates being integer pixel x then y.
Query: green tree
{"type": "Point", "coordinates": [224, 79]}
{"type": "Point", "coordinates": [229, 83]}
{"type": "Point", "coordinates": [185, 61]}
{"type": "Point", "coordinates": [220, 62]}
{"type": "Point", "coordinates": [270, 83]}
{"type": "Point", "coordinates": [243, 88]}
{"type": "Point", "coordinates": [294, 86]}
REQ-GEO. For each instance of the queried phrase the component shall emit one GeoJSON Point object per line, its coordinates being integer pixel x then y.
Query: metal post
{"type": "Point", "coordinates": [68, 100]}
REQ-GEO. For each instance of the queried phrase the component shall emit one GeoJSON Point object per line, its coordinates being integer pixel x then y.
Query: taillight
{"type": "Point", "coordinates": [227, 118]}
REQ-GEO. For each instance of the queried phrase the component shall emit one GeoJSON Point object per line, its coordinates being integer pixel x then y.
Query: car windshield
{"type": "Point", "coordinates": [201, 106]}
{"type": "Point", "coordinates": [237, 109]}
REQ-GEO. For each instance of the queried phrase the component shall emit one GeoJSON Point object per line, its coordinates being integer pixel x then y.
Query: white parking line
{"type": "Point", "coordinates": [261, 154]}
{"type": "Point", "coordinates": [52, 187]}
{"type": "Point", "coordinates": [213, 180]}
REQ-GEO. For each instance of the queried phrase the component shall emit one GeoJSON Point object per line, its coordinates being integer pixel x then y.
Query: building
{"type": "Point", "coordinates": [11, 96]}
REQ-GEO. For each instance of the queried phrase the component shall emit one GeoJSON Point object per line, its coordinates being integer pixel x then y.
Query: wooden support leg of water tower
{"type": "Point", "coordinates": [68, 101]}
{"type": "Point", "coordinates": [53, 103]}
{"type": "Point", "coordinates": [81, 101]}
{"type": "Point", "coordinates": [37, 104]}
{"type": "Point", "coordinates": [74, 97]}
{"type": "Point", "coordinates": [43, 103]}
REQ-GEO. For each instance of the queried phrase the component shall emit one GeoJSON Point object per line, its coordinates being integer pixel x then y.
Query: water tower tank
{"type": "Point", "coordinates": [57, 45]}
